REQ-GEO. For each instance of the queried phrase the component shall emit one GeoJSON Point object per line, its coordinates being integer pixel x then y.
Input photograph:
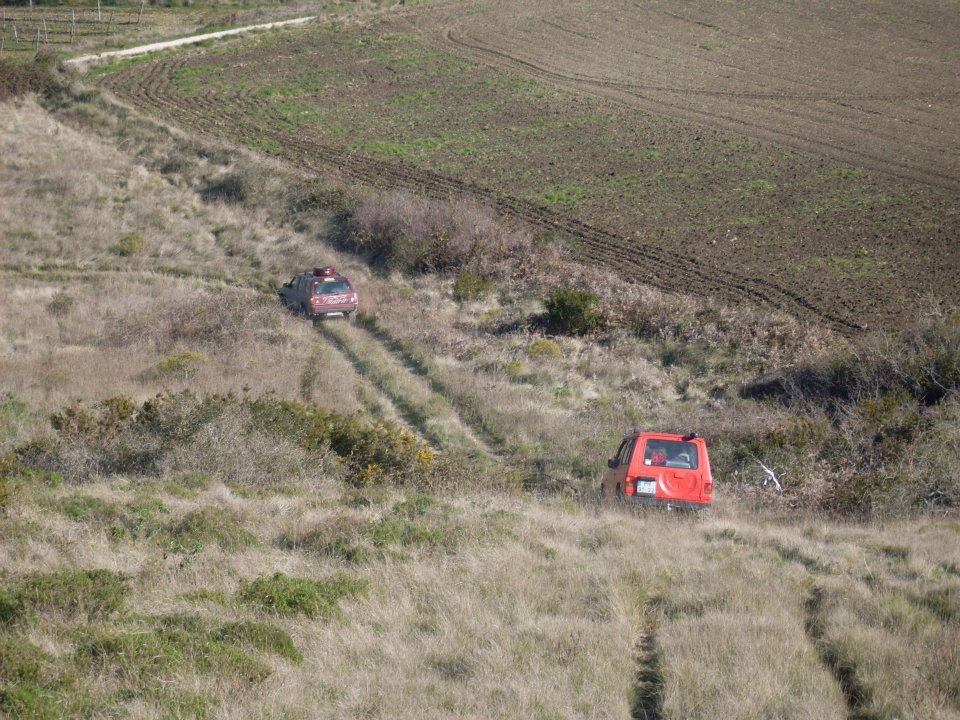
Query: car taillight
{"type": "Point", "coordinates": [630, 486]}
{"type": "Point", "coordinates": [708, 487]}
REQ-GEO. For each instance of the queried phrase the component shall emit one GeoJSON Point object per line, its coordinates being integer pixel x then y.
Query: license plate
{"type": "Point", "coordinates": [647, 487]}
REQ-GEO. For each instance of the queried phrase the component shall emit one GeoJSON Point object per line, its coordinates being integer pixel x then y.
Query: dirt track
{"type": "Point", "coordinates": [873, 84]}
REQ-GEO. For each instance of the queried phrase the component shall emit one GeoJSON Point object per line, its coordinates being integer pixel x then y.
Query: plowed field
{"type": "Point", "coordinates": [460, 100]}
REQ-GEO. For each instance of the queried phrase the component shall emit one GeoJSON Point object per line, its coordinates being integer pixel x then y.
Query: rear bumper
{"type": "Point", "coordinates": [664, 502]}
{"type": "Point", "coordinates": [333, 310]}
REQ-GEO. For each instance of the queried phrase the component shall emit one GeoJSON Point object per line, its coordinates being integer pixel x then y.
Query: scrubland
{"type": "Point", "coordinates": [211, 509]}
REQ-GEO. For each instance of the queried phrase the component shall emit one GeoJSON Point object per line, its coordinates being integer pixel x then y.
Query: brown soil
{"type": "Point", "coordinates": [873, 83]}
{"type": "Point", "coordinates": [819, 252]}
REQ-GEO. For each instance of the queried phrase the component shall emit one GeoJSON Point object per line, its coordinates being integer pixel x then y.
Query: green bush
{"type": "Point", "coordinates": [25, 681]}
{"type": "Point", "coordinates": [129, 245]}
{"type": "Point", "coordinates": [206, 526]}
{"type": "Point", "coordinates": [470, 286]}
{"type": "Point", "coordinates": [262, 636]}
{"type": "Point", "coordinates": [285, 595]}
{"type": "Point", "coordinates": [61, 304]}
{"type": "Point", "coordinates": [93, 593]}
{"type": "Point", "coordinates": [544, 349]}
{"type": "Point", "coordinates": [336, 536]}
{"type": "Point", "coordinates": [21, 78]}
{"type": "Point", "coordinates": [573, 312]}
{"type": "Point", "coordinates": [134, 519]}
{"type": "Point", "coordinates": [171, 645]}
{"type": "Point", "coordinates": [167, 432]}
{"type": "Point", "coordinates": [182, 365]}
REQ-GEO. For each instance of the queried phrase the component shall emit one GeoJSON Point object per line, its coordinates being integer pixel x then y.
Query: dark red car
{"type": "Point", "coordinates": [321, 292]}
{"type": "Point", "coordinates": [652, 468]}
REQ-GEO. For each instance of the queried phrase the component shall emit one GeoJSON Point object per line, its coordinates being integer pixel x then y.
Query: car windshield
{"type": "Point", "coordinates": [671, 453]}
{"type": "Point", "coordinates": [334, 287]}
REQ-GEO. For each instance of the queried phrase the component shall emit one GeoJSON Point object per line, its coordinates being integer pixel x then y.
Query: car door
{"type": "Point", "coordinates": [618, 466]}
{"type": "Point", "coordinates": [288, 290]}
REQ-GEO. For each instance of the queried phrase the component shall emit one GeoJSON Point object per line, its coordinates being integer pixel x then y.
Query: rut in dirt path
{"type": "Point", "coordinates": [431, 414]}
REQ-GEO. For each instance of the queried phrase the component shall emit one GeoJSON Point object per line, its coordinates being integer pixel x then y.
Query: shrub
{"type": "Point", "coordinates": [573, 312]}
{"type": "Point", "coordinates": [61, 304]}
{"type": "Point", "coordinates": [262, 636]}
{"type": "Point", "coordinates": [402, 231]}
{"type": "Point", "coordinates": [204, 526]}
{"type": "Point", "coordinates": [285, 595]}
{"type": "Point", "coordinates": [336, 536]}
{"type": "Point", "coordinates": [167, 647]}
{"type": "Point", "coordinates": [181, 365]}
{"type": "Point", "coordinates": [470, 286]}
{"type": "Point", "coordinates": [94, 593]}
{"type": "Point", "coordinates": [18, 79]}
{"type": "Point", "coordinates": [25, 681]}
{"type": "Point", "coordinates": [237, 186]}
{"type": "Point", "coordinates": [543, 349]}
{"type": "Point", "coordinates": [129, 245]}
{"type": "Point", "coordinates": [257, 439]}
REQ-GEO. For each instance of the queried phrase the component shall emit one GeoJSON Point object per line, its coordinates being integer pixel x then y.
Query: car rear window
{"type": "Point", "coordinates": [335, 287]}
{"type": "Point", "coordinates": [671, 453]}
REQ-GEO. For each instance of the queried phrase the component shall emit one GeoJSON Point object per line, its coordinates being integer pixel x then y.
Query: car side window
{"type": "Point", "coordinates": [623, 453]}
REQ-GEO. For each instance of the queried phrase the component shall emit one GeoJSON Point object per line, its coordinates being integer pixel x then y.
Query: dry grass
{"type": "Point", "coordinates": [513, 609]}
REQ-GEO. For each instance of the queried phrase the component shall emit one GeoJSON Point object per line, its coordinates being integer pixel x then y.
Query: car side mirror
{"type": "Point", "coordinates": [612, 463]}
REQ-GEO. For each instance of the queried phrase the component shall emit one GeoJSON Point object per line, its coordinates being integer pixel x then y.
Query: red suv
{"type": "Point", "coordinates": [660, 469]}
{"type": "Point", "coordinates": [322, 292]}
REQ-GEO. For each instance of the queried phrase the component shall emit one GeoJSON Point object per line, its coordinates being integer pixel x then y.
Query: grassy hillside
{"type": "Point", "coordinates": [211, 509]}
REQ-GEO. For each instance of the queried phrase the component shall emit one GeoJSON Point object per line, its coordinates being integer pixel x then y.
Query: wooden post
{"type": "Point", "coordinates": [73, 26]}
{"type": "Point", "coordinates": [46, 33]}
{"type": "Point", "coordinates": [16, 37]}
{"type": "Point", "coordinates": [38, 40]}
{"type": "Point", "coordinates": [99, 17]}
{"type": "Point", "coordinates": [140, 14]}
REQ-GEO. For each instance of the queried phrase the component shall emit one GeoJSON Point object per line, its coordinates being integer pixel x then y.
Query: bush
{"type": "Point", "coordinates": [173, 644]}
{"type": "Point", "coordinates": [129, 245]}
{"type": "Point", "coordinates": [25, 680]}
{"type": "Point", "coordinates": [877, 419]}
{"type": "Point", "coordinates": [61, 304]}
{"type": "Point", "coordinates": [256, 439]}
{"type": "Point", "coordinates": [181, 365]}
{"type": "Point", "coordinates": [573, 312]}
{"type": "Point", "coordinates": [470, 286]}
{"type": "Point", "coordinates": [336, 536]}
{"type": "Point", "coordinates": [285, 595]}
{"type": "Point", "coordinates": [18, 79]}
{"type": "Point", "coordinates": [94, 593]}
{"type": "Point", "coordinates": [402, 231]}
{"type": "Point", "coordinates": [237, 186]}
{"type": "Point", "coordinates": [544, 349]}
{"type": "Point", "coordinates": [262, 636]}
{"type": "Point", "coordinates": [206, 526]}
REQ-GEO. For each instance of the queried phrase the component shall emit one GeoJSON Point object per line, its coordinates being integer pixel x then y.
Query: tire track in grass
{"type": "Point", "coordinates": [646, 701]}
{"type": "Point", "coordinates": [854, 692]}
{"type": "Point", "coordinates": [417, 403]}
{"type": "Point", "coordinates": [421, 366]}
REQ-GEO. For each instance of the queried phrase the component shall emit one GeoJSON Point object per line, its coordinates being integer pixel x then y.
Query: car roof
{"type": "Point", "coordinates": [665, 436]}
